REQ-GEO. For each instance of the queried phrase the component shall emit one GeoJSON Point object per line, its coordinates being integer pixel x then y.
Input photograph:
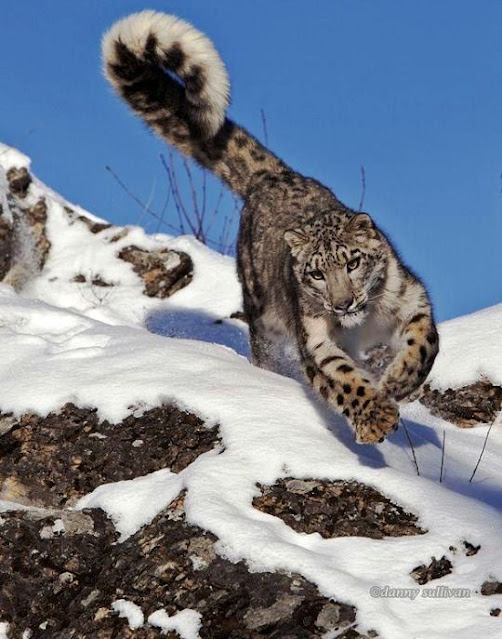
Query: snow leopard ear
{"type": "Point", "coordinates": [296, 240]}
{"type": "Point", "coordinates": [360, 223]}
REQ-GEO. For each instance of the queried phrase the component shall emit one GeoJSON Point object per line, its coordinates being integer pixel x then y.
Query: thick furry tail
{"type": "Point", "coordinates": [174, 79]}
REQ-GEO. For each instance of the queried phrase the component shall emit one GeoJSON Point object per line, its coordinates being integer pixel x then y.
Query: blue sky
{"type": "Point", "coordinates": [410, 90]}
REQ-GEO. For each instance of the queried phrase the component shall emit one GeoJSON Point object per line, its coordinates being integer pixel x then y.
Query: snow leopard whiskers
{"type": "Point", "coordinates": [313, 271]}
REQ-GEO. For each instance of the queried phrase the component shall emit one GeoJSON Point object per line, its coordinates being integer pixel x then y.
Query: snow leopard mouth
{"type": "Point", "coordinates": [352, 311]}
{"type": "Point", "coordinates": [352, 318]}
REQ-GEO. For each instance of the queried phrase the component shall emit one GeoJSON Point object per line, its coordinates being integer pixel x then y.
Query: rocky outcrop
{"type": "Point", "coordinates": [64, 568]}
{"type": "Point", "coordinates": [5, 244]}
{"type": "Point", "coordinates": [476, 403]}
{"type": "Point", "coordinates": [25, 247]}
{"type": "Point", "coordinates": [163, 271]}
{"type": "Point", "coordinates": [52, 461]}
{"type": "Point", "coordinates": [336, 509]}
{"type": "Point", "coordinates": [62, 582]}
{"type": "Point", "coordinates": [435, 570]}
{"type": "Point", "coordinates": [24, 238]}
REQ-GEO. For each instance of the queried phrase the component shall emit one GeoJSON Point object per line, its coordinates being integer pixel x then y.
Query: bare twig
{"type": "Point", "coordinates": [216, 208]}
{"type": "Point", "coordinates": [200, 220]}
{"type": "Point", "coordinates": [442, 457]}
{"type": "Point", "coordinates": [204, 194]}
{"type": "Point", "coordinates": [484, 446]}
{"type": "Point", "coordinates": [148, 202]}
{"type": "Point", "coordinates": [265, 127]}
{"type": "Point", "coordinates": [363, 188]}
{"type": "Point", "coordinates": [177, 194]}
{"type": "Point", "coordinates": [178, 203]}
{"type": "Point", "coordinates": [225, 232]}
{"type": "Point", "coordinates": [225, 241]}
{"type": "Point", "coordinates": [411, 446]}
{"type": "Point", "coordinates": [138, 201]}
{"type": "Point", "coordinates": [188, 200]}
{"type": "Point", "coordinates": [163, 210]}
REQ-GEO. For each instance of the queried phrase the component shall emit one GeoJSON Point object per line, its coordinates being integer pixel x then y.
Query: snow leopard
{"type": "Point", "coordinates": [315, 273]}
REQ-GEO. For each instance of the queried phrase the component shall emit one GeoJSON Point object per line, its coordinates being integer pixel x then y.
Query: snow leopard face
{"type": "Point", "coordinates": [340, 269]}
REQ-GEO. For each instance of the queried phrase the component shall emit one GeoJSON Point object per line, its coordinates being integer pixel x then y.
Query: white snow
{"type": "Point", "coordinates": [4, 630]}
{"type": "Point", "coordinates": [134, 503]}
{"type": "Point", "coordinates": [471, 348]}
{"type": "Point", "coordinates": [11, 157]}
{"type": "Point", "coordinates": [186, 623]}
{"type": "Point", "coordinates": [73, 347]}
{"type": "Point", "coordinates": [129, 610]}
{"type": "Point", "coordinates": [50, 531]}
{"type": "Point", "coordinates": [6, 506]}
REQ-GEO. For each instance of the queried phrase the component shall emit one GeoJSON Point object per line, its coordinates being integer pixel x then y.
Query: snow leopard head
{"type": "Point", "coordinates": [340, 264]}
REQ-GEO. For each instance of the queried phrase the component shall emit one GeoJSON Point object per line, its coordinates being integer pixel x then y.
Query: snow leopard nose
{"type": "Point", "coordinates": [342, 306]}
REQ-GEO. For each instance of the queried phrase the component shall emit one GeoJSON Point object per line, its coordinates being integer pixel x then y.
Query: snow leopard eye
{"type": "Point", "coordinates": [316, 275]}
{"type": "Point", "coordinates": [353, 264]}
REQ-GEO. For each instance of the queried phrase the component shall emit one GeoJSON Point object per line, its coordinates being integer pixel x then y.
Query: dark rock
{"type": "Point", "coordinates": [52, 461]}
{"type": "Point", "coordinates": [336, 509]}
{"type": "Point", "coordinates": [95, 281]}
{"type": "Point", "coordinates": [480, 402]}
{"type": "Point", "coordinates": [470, 549]}
{"type": "Point", "coordinates": [93, 226]}
{"type": "Point", "coordinates": [495, 612]}
{"type": "Point", "coordinates": [22, 232]}
{"type": "Point", "coordinates": [98, 281]}
{"type": "Point", "coordinates": [63, 569]}
{"type": "Point", "coordinates": [6, 235]}
{"type": "Point", "coordinates": [31, 220]}
{"type": "Point", "coordinates": [41, 574]}
{"type": "Point", "coordinates": [63, 585]}
{"type": "Point", "coordinates": [19, 181]}
{"type": "Point", "coordinates": [435, 570]}
{"type": "Point", "coordinates": [493, 587]}
{"type": "Point", "coordinates": [163, 271]}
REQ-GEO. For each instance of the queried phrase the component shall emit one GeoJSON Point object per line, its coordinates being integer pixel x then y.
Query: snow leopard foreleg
{"type": "Point", "coordinates": [417, 347]}
{"type": "Point", "coordinates": [346, 388]}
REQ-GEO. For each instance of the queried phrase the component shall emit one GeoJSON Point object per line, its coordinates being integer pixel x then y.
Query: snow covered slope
{"type": "Point", "coordinates": [61, 341]}
{"type": "Point", "coordinates": [471, 348]}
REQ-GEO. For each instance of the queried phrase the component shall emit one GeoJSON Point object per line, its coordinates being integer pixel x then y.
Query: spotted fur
{"type": "Point", "coordinates": [314, 273]}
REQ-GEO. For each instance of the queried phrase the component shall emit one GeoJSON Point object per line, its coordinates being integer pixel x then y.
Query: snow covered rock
{"type": "Point", "coordinates": [37, 225]}
{"type": "Point", "coordinates": [465, 384]}
{"type": "Point", "coordinates": [167, 563]}
{"type": "Point", "coordinates": [164, 271]}
{"type": "Point", "coordinates": [24, 213]}
{"type": "Point", "coordinates": [53, 461]}
{"type": "Point", "coordinates": [336, 509]}
{"type": "Point", "coordinates": [477, 403]}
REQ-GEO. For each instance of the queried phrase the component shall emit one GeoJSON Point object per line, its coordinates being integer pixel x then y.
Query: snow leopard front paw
{"type": "Point", "coordinates": [379, 419]}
